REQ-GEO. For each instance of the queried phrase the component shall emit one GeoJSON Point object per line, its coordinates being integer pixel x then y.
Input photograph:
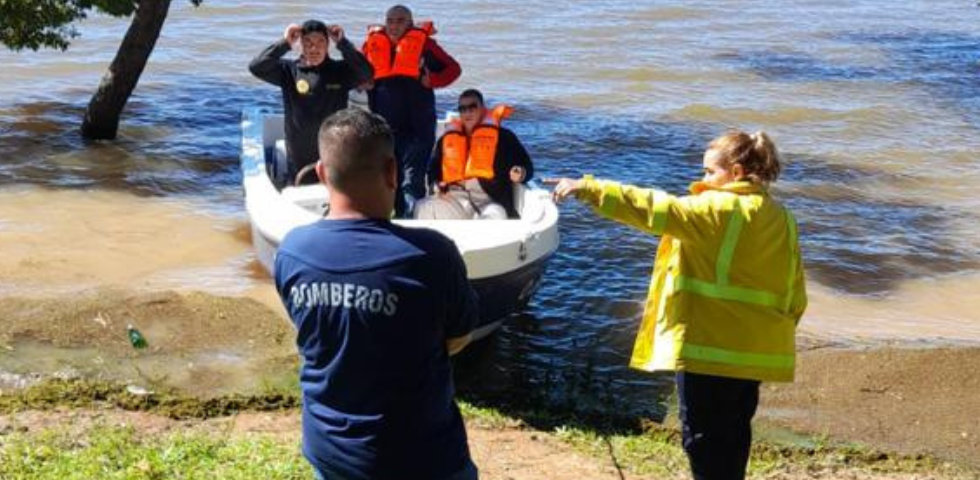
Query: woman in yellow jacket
{"type": "Point", "coordinates": [726, 293]}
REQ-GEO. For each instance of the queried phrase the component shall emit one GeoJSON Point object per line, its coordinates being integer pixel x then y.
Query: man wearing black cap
{"type": "Point", "coordinates": [314, 86]}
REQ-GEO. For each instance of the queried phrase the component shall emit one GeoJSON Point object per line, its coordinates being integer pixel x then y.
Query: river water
{"type": "Point", "coordinates": [875, 106]}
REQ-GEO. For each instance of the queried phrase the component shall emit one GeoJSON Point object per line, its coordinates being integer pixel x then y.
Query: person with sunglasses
{"type": "Point", "coordinates": [475, 165]}
{"type": "Point", "coordinates": [408, 65]}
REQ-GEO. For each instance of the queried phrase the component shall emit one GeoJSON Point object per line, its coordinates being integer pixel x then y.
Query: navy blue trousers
{"type": "Point", "coordinates": [413, 153]}
{"type": "Point", "coordinates": [716, 417]}
{"type": "Point", "coordinates": [469, 472]}
{"type": "Point", "coordinates": [410, 111]}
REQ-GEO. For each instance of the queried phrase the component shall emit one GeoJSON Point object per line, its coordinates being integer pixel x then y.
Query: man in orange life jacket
{"type": "Point", "coordinates": [475, 165]}
{"type": "Point", "coordinates": [408, 65]}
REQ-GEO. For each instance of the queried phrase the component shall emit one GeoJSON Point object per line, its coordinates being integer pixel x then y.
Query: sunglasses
{"type": "Point", "coordinates": [463, 108]}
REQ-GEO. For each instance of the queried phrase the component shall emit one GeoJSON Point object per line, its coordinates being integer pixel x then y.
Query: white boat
{"type": "Point", "coordinates": [505, 259]}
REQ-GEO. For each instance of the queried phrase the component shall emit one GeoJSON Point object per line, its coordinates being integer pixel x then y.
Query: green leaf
{"type": "Point", "coordinates": [36, 24]}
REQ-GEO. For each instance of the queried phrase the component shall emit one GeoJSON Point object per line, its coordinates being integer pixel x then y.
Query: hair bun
{"type": "Point", "coordinates": [756, 152]}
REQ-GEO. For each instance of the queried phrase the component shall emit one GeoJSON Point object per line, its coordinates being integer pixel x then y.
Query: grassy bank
{"type": "Point", "coordinates": [655, 449]}
{"type": "Point", "coordinates": [191, 447]}
{"type": "Point", "coordinates": [87, 394]}
{"type": "Point", "coordinates": [107, 452]}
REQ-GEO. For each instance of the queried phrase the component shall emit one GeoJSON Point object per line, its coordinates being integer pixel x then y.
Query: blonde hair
{"type": "Point", "coordinates": [756, 153]}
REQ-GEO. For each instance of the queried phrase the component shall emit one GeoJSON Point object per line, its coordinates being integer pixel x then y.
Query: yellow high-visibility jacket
{"type": "Point", "coordinates": [727, 288]}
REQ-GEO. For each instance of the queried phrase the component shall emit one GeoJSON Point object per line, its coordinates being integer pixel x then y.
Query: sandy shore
{"type": "Point", "coordinates": [899, 399]}
{"type": "Point", "coordinates": [903, 400]}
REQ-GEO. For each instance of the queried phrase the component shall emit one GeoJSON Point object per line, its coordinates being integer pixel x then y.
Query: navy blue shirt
{"type": "Point", "coordinates": [373, 305]}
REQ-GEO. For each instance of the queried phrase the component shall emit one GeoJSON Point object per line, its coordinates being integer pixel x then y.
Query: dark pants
{"type": "Point", "coordinates": [716, 416]}
{"type": "Point", "coordinates": [282, 170]}
{"type": "Point", "coordinates": [469, 472]}
{"type": "Point", "coordinates": [413, 161]}
{"type": "Point", "coordinates": [410, 111]}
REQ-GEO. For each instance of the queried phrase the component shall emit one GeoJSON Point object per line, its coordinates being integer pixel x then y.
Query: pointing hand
{"type": "Point", "coordinates": [563, 187]}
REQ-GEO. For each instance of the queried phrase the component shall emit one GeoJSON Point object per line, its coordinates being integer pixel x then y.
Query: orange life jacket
{"type": "Point", "coordinates": [408, 52]}
{"type": "Point", "coordinates": [472, 157]}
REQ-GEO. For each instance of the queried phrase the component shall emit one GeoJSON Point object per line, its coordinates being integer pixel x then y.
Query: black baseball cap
{"type": "Point", "coordinates": [313, 26]}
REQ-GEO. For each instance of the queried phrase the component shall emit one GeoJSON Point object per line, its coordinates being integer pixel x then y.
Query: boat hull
{"type": "Point", "coordinates": [505, 259]}
{"type": "Point", "coordinates": [504, 295]}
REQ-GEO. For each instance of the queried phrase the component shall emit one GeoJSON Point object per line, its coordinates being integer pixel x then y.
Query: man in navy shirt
{"type": "Point", "coordinates": [378, 310]}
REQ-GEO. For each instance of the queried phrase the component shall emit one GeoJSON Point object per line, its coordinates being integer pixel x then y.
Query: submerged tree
{"type": "Point", "coordinates": [38, 24]}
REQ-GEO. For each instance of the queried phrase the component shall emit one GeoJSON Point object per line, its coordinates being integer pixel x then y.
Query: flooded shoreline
{"type": "Point", "coordinates": [877, 120]}
{"type": "Point", "coordinates": [198, 344]}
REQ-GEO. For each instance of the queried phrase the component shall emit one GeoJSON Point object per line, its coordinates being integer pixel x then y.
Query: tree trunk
{"type": "Point", "coordinates": [102, 116]}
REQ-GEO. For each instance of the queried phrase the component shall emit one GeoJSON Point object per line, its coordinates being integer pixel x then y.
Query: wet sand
{"type": "Point", "coordinates": [929, 312]}
{"type": "Point", "coordinates": [199, 344]}
{"type": "Point", "coordinates": [897, 399]}
{"type": "Point", "coordinates": [55, 242]}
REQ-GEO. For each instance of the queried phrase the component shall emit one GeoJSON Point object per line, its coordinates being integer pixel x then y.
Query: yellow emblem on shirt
{"type": "Point", "coordinates": [302, 86]}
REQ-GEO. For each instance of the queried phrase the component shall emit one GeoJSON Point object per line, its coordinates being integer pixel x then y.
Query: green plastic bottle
{"type": "Point", "coordinates": [135, 337]}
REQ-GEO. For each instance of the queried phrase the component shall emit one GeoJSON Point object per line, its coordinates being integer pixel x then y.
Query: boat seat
{"type": "Point", "coordinates": [534, 210]}
{"type": "Point", "coordinates": [281, 151]}
{"type": "Point", "coordinates": [314, 197]}
{"type": "Point", "coordinates": [278, 167]}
